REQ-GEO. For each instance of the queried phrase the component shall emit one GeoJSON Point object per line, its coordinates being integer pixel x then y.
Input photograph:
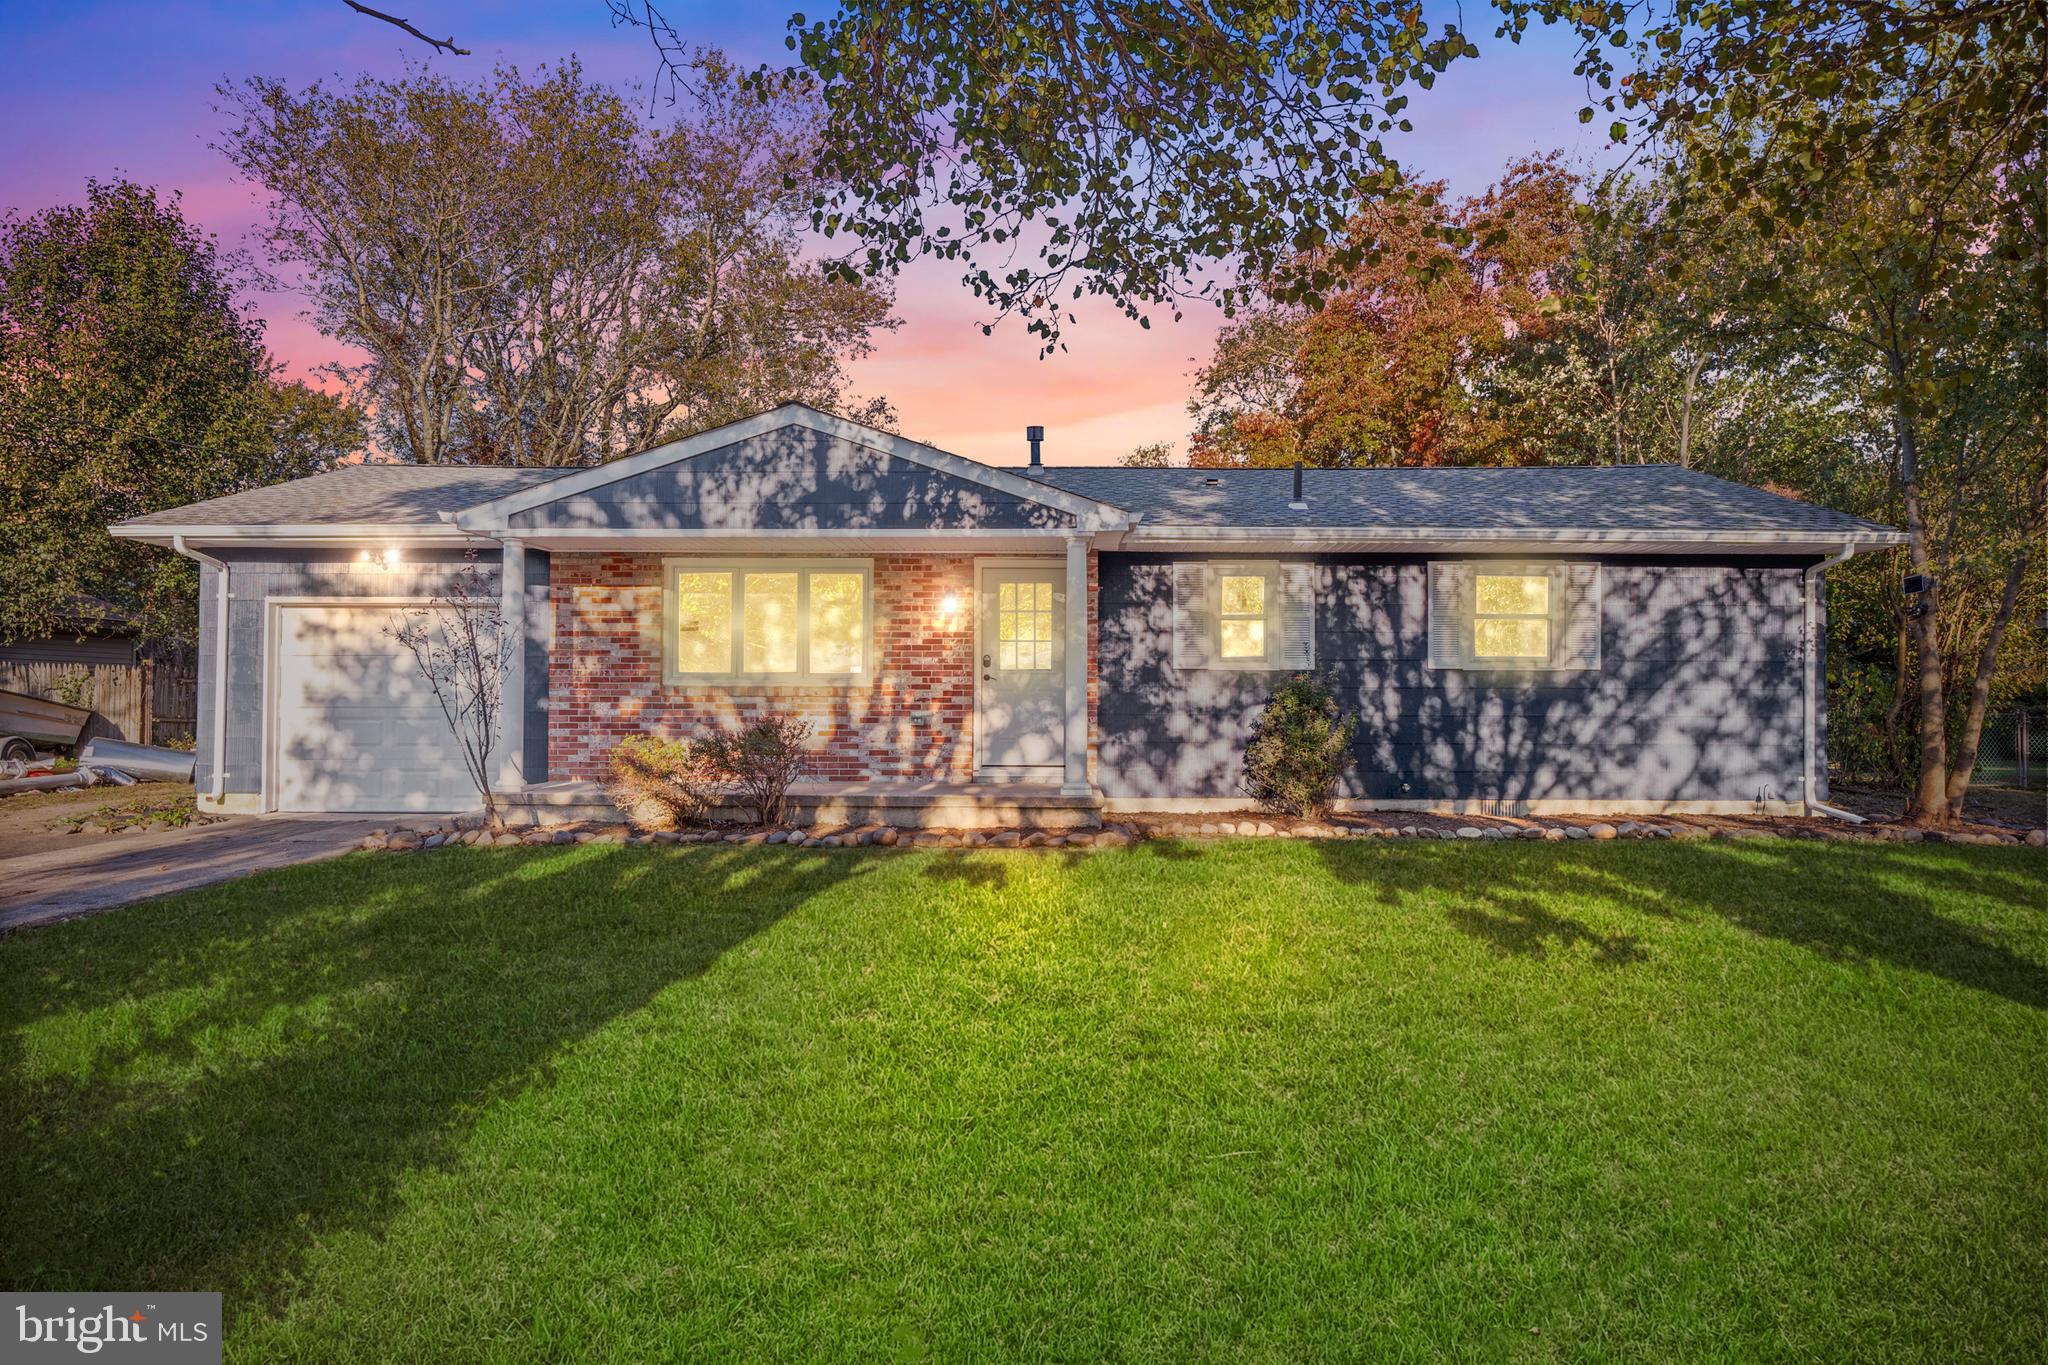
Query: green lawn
{"type": "Point", "coordinates": [1247, 1101]}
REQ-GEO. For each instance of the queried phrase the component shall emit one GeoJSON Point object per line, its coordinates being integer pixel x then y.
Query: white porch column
{"type": "Point", "coordinates": [1075, 778]}
{"type": "Point", "coordinates": [512, 709]}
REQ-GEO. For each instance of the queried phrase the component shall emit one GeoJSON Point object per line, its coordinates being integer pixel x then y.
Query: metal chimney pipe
{"type": "Point", "coordinates": [1035, 435]}
{"type": "Point", "coordinates": [1300, 500]}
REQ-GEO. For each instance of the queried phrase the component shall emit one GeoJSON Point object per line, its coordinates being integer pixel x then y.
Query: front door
{"type": "Point", "coordinates": [1020, 697]}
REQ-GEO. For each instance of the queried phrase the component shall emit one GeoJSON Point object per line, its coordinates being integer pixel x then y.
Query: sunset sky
{"type": "Point", "coordinates": [126, 88]}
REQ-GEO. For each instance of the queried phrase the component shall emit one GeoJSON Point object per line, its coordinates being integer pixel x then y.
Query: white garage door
{"type": "Point", "coordinates": [355, 726]}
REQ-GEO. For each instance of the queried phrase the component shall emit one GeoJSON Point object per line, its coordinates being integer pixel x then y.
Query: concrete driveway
{"type": "Point", "coordinates": [57, 883]}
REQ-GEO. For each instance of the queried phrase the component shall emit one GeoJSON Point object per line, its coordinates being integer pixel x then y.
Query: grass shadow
{"type": "Point", "coordinates": [277, 1068]}
{"type": "Point", "coordinates": [986, 876]}
{"type": "Point", "coordinates": [1850, 903]}
{"type": "Point", "coordinates": [1530, 929]}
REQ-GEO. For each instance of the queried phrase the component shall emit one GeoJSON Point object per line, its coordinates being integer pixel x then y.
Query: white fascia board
{"type": "Point", "coordinates": [650, 539]}
{"type": "Point", "coordinates": [1455, 539]}
{"type": "Point", "coordinates": [490, 517]}
{"type": "Point", "coordinates": [330, 533]}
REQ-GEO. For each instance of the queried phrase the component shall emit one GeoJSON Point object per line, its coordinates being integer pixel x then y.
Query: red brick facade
{"type": "Point", "coordinates": [913, 720]}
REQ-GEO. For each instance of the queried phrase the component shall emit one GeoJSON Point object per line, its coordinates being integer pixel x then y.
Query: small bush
{"type": "Point", "coordinates": [1299, 748]}
{"type": "Point", "coordinates": [759, 762]}
{"type": "Point", "coordinates": [659, 783]}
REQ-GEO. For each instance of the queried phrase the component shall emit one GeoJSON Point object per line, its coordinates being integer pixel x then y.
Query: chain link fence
{"type": "Point", "coordinates": [2014, 752]}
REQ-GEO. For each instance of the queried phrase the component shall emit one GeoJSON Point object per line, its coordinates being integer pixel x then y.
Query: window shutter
{"type": "Point", "coordinates": [1194, 616]}
{"type": "Point", "coordinates": [1296, 635]}
{"type": "Point", "coordinates": [1450, 611]}
{"type": "Point", "coordinates": [1579, 642]}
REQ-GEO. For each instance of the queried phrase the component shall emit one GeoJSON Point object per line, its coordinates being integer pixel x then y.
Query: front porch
{"type": "Point", "coordinates": [906, 805]}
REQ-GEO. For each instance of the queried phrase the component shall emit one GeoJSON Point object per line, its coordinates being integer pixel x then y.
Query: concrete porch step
{"type": "Point", "coordinates": [909, 805]}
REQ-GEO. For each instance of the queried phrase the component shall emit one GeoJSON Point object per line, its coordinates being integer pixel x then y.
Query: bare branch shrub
{"type": "Point", "coordinates": [461, 647]}
{"type": "Point", "coordinates": [759, 762]}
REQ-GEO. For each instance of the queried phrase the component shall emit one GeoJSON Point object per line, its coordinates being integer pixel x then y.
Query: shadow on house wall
{"type": "Point", "coordinates": [1699, 695]}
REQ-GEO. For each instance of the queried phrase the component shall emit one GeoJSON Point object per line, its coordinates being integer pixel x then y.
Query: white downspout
{"type": "Point", "coordinates": [220, 666]}
{"type": "Point", "coordinates": [1812, 577]}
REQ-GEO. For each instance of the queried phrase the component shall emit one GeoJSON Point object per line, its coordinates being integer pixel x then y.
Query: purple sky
{"type": "Point", "coordinates": [100, 89]}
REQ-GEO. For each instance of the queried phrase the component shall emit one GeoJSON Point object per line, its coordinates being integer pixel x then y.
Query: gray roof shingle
{"type": "Point", "coordinates": [1643, 498]}
{"type": "Point", "coordinates": [385, 494]}
{"type": "Point", "coordinates": [1553, 497]}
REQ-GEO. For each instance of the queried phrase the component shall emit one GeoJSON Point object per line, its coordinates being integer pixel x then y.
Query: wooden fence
{"type": "Point", "coordinates": [147, 703]}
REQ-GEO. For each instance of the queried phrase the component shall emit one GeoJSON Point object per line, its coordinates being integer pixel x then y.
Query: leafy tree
{"type": "Point", "coordinates": [537, 276]}
{"type": "Point", "coordinates": [1819, 87]}
{"type": "Point", "coordinates": [130, 382]}
{"type": "Point", "coordinates": [1156, 455]}
{"type": "Point", "coordinates": [1112, 149]}
{"type": "Point", "coordinates": [1921, 281]}
{"type": "Point", "coordinates": [1385, 371]}
{"type": "Point", "coordinates": [1153, 153]}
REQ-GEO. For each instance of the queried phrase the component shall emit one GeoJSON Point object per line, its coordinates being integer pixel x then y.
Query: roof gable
{"type": "Point", "coordinates": [792, 469]}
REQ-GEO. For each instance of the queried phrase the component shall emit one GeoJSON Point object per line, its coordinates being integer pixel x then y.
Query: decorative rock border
{"type": "Point", "coordinates": [1449, 829]}
{"type": "Point", "coordinates": [408, 840]}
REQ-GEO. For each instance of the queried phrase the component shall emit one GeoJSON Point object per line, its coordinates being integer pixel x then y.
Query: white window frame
{"type": "Point", "coordinates": [673, 568]}
{"type": "Point", "coordinates": [1269, 570]}
{"type": "Point", "coordinates": [1559, 659]}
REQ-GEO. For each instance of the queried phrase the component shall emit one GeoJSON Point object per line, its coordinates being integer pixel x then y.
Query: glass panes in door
{"type": "Point", "coordinates": [1024, 626]}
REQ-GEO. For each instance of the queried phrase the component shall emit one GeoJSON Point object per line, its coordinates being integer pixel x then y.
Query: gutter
{"type": "Point", "coordinates": [1812, 580]}
{"type": "Point", "coordinates": [1453, 539]}
{"type": "Point", "coordinates": [311, 536]}
{"type": "Point", "coordinates": [220, 665]}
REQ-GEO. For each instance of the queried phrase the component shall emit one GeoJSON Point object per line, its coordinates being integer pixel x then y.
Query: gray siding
{"type": "Point", "coordinates": [1698, 697]}
{"type": "Point", "coordinates": [254, 577]}
{"type": "Point", "coordinates": [792, 479]}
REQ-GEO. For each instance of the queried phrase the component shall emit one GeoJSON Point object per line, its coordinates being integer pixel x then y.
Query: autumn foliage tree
{"type": "Point", "coordinates": [1386, 371]}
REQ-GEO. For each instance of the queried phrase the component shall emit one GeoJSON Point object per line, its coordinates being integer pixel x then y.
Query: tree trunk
{"type": "Point", "coordinates": [1614, 401]}
{"type": "Point", "coordinates": [1929, 805]}
{"type": "Point", "coordinates": [1980, 689]}
{"type": "Point", "coordinates": [1692, 379]}
{"type": "Point", "coordinates": [1987, 657]}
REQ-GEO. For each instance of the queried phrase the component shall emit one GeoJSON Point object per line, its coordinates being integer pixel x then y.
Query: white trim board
{"type": "Point", "coordinates": [1226, 540]}
{"type": "Point", "coordinates": [310, 535]}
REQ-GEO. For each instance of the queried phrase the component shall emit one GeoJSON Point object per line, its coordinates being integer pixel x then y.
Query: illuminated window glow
{"type": "Point", "coordinates": [838, 624]}
{"type": "Point", "coordinates": [1511, 616]}
{"type": "Point", "coordinates": [704, 623]}
{"type": "Point", "coordinates": [1242, 602]}
{"type": "Point", "coordinates": [776, 620]}
{"type": "Point", "coordinates": [1024, 626]}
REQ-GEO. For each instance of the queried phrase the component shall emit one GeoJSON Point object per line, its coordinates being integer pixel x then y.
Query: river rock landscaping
{"type": "Point", "coordinates": [470, 831]}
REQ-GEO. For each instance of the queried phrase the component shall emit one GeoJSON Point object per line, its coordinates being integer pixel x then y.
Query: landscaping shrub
{"type": "Point", "coordinates": [659, 783]}
{"type": "Point", "coordinates": [759, 762]}
{"type": "Point", "coordinates": [1299, 748]}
